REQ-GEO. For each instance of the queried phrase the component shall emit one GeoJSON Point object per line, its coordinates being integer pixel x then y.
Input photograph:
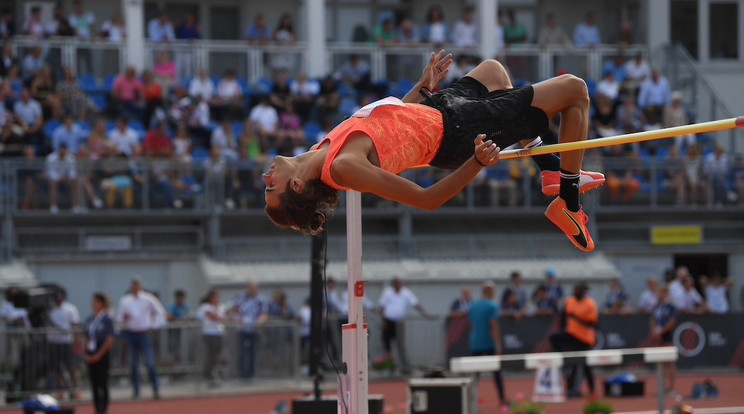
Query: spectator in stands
{"type": "Point", "coordinates": [514, 31]}
{"type": "Point", "coordinates": [622, 163]}
{"type": "Point", "coordinates": [675, 174]}
{"type": "Point", "coordinates": [7, 25]}
{"type": "Point", "coordinates": [259, 32]}
{"type": "Point", "coordinates": [461, 306]}
{"type": "Point", "coordinates": [166, 73]}
{"type": "Point", "coordinates": [280, 93]}
{"type": "Point", "coordinates": [356, 74]}
{"type": "Point", "coordinates": [737, 177]}
{"type": "Point", "coordinates": [33, 26]}
{"type": "Point", "coordinates": [638, 71]}
{"type": "Point", "coordinates": [435, 33]}
{"type": "Point", "coordinates": [228, 102]}
{"type": "Point", "coordinates": [649, 299]}
{"type": "Point", "coordinates": [553, 289]}
{"type": "Point", "coordinates": [717, 293]}
{"type": "Point", "coordinates": [182, 145]}
{"type": "Point", "coordinates": [72, 98]}
{"type": "Point", "coordinates": [284, 36]}
{"type": "Point", "coordinates": [675, 115]}
{"type": "Point", "coordinates": [394, 304]}
{"type": "Point", "coordinates": [279, 308]}
{"type": "Point", "coordinates": [408, 33]}
{"type": "Point", "coordinates": [160, 29]}
{"type": "Point", "coordinates": [465, 32]}
{"type": "Point", "coordinates": [629, 117]}
{"type": "Point", "coordinates": [33, 63]}
{"type": "Point", "coordinates": [100, 335]}
{"type": "Point", "coordinates": [663, 322]}
{"type": "Point", "coordinates": [127, 94]}
{"type": "Point", "coordinates": [694, 172]}
{"type": "Point", "coordinates": [485, 332]}
{"type": "Point", "coordinates": [553, 35]}
{"type": "Point", "coordinates": [69, 134]}
{"type": "Point", "coordinates": [579, 333]}
{"type": "Point", "coordinates": [140, 313]}
{"type": "Point", "coordinates": [43, 89]}
{"type": "Point", "coordinates": [114, 30]}
{"type": "Point", "coordinates": [716, 170]}
{"type": "Point", "coordinates": [608, 87]}
{"type": "Point", "coordinates": [59, 26]}
{"type": "Point", "coordinates": [329, 101]}
{"type": "Point", "coordinates": [691, 300]}
{"type": "Point", "coordinates": [82, 21]}
{"type": "Point", "coordinates": [266, 119]}
{"type": "Point", "coordinates": [123, 138]}
{"type": "Point", "coordinates": [12, 316]}
{"type": "Point", "coordinates": [653, 96]}
{"type": "Point", "coordinates": [64, 319]}
{"type": "Point", "coordinates": [158, 142]}
{"type": "Point", "coordinates": [677, 286]}
{"type": "Point", "coordinates": [385, 33]}
{"type": "Point", "coordinates": [198, 120]}
{"type": "Point", "coordinates": [291, 136]}
{"type": "Point", "coordinates": [223, 137]}
{"type": "Point", "coordinates": [189, 29]}
{"type": "Point", "coordinates": [61, 168]}
{"type": "Point", "coordinates": [618, 302]}
{"type": "Point", "coordinates": [587, 34]}
{"type": "Point", "coordinates": [30, 118]}
{"type": "Point", "coordinates": [201, 86]}
{"type": "Point", "coordinates": [8, 60]}
{"type": "Point", "coordinates": [253, 311]}
{"type": "Point", "coordinates": [211, 313]}
{"type": "Point", "coordinates": [514, 298]}
{"type": "Point", "coordinates": [29, 175]}
{"type": "Point", "coordinates": [219, 179]}
{"type": "Point", "coordinates": [304, 93]}
{"type": "Point", "coordinates": [152, 92]}
{"type": "Point", "coordinates": [544, 304]}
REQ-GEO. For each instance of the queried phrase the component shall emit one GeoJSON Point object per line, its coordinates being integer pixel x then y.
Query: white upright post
{"type": "Point", "coordinates": [487, 10]}
{"type": "Point", "coordinates": [353, 390]}
{"type": "Point", "coordinates": [134, 18]}
{"type": "Point", "coordinates": [315, 55]}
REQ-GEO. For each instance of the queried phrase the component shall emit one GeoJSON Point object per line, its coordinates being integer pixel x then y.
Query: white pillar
{"type": "Point", "coordinates": [134, 20]}
{"type": "Point", "coordinates": [487, 10]}
{"type": "Point", "coordinates": [316, 44]}
{"type": "Point", "coordinates": [658, 28]}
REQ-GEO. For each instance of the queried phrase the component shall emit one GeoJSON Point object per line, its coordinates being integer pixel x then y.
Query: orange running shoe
{"type": "Point", "coordinates": [572, 224]}
{"type": "Point", "coordinates": [588, 181]}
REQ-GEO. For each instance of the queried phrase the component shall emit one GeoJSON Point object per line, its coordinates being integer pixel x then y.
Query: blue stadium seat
{"type": "Point", "coordinates": [185, 83]}
{"type": "Point", "coordinates": [264, 86]}
{"type": "Point", "coordinates": [402, 87]}
{"type": "Point", "coordinates": [49, 128]}
{"type": "Point", "coordinates": [89, 84]}
{"type": "Point", "coordinates": [348, 107]}
{"type": "Point", "coordinates": [108, 84]}
{"type": "Point", "coordinates": [312, 129]}
{"type": "Point", "coordinates": [238, 129]}
{"type": "Point", "coordinates": [199, 156]}
{"type": "Point", "coordinates": [592, 87]}
{"type": "Point", "coordinates": [101, 101]}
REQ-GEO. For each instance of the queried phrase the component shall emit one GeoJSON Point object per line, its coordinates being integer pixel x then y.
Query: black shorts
{"type": "Point", "coordinates": [506, 117]}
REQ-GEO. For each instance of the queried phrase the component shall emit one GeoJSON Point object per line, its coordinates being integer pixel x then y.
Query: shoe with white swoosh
{"type": "Point", "coordinates": [572, 224]}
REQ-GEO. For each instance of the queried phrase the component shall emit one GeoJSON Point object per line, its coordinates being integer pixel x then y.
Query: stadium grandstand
{"type": "Point", "coordinates": [134, 133]}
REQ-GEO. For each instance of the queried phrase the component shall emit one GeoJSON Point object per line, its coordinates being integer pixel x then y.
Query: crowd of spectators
{"type": "Point", "coordinates": [159, 138]}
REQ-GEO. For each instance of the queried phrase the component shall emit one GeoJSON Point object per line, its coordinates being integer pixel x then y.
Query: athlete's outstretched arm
{"type": "Point", "coordinates": [355, 172]}
{"type": "Point", "coordinates": [434, 73]}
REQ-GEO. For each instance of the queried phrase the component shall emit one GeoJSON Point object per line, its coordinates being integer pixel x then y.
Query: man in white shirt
{"type": "Point", "coordinates": [677, 288]}
{"type": "Point", "coordinates": [649, 299]}
{"type": "Point", "coordinates": [201, 86]}
{"type": "Point", "coordinates": [465, 33]}
{"type": "Point", "coordinates": [717, 294]}
{"type": "Point", "coordinates": [124, 139]}
{"type": "Point", "coordinates": [161, 30]}
{"type": "Point", "coordinates": [692, 302]}
{"type": "Point", "coordinates": [228, 101]}
{"type": "Point", "coordinates": [30, 117]}
{"type": "Point", "coordinates": [394, 305]}
{"type": "Point", "coordinates": [139, 314]}
{"type": "Point", "coordinates": [266, 117]}
{"type": "Point", "coordinates": [61, 168]}
{"type": "Point", "coordinates": [64, 318]}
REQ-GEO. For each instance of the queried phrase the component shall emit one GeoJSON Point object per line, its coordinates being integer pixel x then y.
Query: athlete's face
{"type": "Point", "coordinates": [277, 179]}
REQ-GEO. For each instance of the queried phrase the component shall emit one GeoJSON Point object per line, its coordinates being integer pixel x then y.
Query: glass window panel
{"type": "Point", "coordinates": [724, 31]}
{"type": "Point", "coordinates": [684, 24]}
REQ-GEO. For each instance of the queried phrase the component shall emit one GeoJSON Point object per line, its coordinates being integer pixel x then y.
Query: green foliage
{"type": "Point", "coordinates": [599, 407]}
{"type": "Point", "coordinates": [528, 408]}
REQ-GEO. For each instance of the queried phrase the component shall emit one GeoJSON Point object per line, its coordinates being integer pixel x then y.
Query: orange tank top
{"type": "Point", "coordinates": [404, 135]}
{"type": "Point", "coordinates": [579, 315]}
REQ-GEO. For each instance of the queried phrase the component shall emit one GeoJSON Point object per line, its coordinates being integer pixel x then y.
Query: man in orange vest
{"type": "Point", "coordinates": [580, 319]}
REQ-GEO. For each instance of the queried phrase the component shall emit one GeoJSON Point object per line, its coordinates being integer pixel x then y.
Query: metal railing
{"type": "Point", "coordinates": [103, 59]}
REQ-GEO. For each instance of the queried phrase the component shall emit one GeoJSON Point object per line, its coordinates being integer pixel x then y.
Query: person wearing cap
{"type": "Point", "coordinates": [579, 320]}
{"type": "Point", "coordinates": [139, 314]}
{"type": "Point", "coordinates": [553, 288]}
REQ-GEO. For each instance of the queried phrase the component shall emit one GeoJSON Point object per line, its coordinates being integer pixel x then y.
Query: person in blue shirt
{"type": "Point", "coordinates": [259, 32]}
{"type": "Point", "coordinates": [70, 134]}
{"type": "Point", "coordinates": [663, 322]}
{"type": "Point", "coordinates": [179, 311]}
{"type": "Point", "coordinates": [485, 333]}
{"type": "Point", "coordinates": [100, 336]}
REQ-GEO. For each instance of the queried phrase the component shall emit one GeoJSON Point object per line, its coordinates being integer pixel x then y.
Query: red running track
{"type": "Point", "coordinates": [395, 394]}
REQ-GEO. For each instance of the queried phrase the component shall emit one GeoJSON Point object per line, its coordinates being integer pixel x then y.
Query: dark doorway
{"type": "Point", "coordinates": [703, 264]}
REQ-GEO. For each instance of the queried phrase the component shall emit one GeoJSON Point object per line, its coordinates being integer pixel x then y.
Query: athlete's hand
{"type": "Point", "coordinates": [486, 152]}
{"type": "Point", "coordinates": [437, 69]}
